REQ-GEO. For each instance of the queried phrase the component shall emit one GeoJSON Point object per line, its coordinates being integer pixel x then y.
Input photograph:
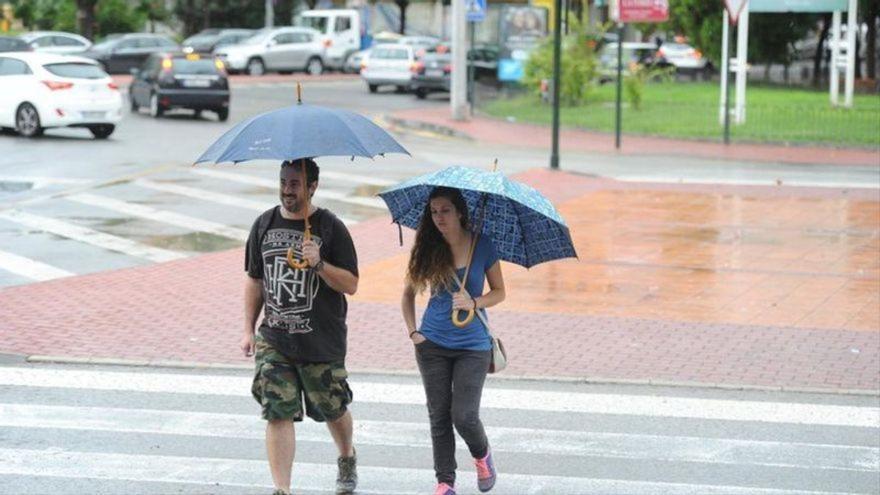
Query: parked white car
{"type": "Point", "coordinates": [685, 58]}
{"type": "Point", "coordinates": [340, 32]}
{"type": "Point", "coordinates": [389, 65]}
{"type": "Point", "coordinates": [42, 90]}
{"type": "Point", "coordinates": [56, 42]}
{"type": "Point", "coordinates": [283, 50]}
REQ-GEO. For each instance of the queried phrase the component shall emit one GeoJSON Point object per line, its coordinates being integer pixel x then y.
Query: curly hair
{"type": "Point", "coordinates": [431, 263]}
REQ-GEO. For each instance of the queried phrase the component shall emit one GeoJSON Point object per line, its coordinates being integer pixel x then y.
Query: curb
{"type": "Point", "coordinates": [157, 363]}
{"type": "Point", "coordinates": [418, 125]}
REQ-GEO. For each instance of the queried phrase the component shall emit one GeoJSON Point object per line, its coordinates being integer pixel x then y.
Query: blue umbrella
{"type": "Point", "coordinates": [301, 131]}
{"type": "Point", "coordinates": [524, 226]}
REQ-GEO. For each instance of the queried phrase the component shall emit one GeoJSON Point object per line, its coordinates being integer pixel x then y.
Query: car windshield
{"type": "Point", "coordinates": [201, 66]}
{"type": "Point", "coordinates": [389, 53]}
{"type": "Point", "coordinates": [106, 44]}
{"type": "Point", "coordinates": [318, 23]}
{"type": "Point", "coordinates": [76, 70]}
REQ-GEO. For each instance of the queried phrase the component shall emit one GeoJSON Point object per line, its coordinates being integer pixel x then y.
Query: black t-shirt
{"type": "Point", "coordinates": [304, 318]}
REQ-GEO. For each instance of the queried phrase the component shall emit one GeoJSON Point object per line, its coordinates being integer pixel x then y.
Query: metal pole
{"type": "Point", "coordinates": [725, 66]}
{"type": "Point", "coordinates": [852, 27]}
{"type": "Point", "coordinates": [833, 71]}
{"type": "Point", "coordinates": [618, 105]}
{"type": "Point", "coordinates": [727, 97]}
{"type": "Point", "coordinates": [270, 14]}
{"type": "Point", "coordinates": [557, 49]}
{"type": "Point", "coordinates": [567, 9]}
{"type": "Point", "coordinates": [470, 57]}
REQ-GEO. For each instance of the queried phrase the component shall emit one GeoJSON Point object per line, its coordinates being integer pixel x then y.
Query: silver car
{"type": "Point", "coordinates": [281, 50]}
{"type": "Point", "coordinates": [56, 42]}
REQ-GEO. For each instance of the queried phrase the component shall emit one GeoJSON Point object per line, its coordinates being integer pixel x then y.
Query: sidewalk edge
{"type": "Point", "coordinates": [145, 363]}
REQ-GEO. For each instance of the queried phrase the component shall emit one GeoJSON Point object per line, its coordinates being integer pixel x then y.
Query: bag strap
{"type": "Point", "coordinates": [479, 312]}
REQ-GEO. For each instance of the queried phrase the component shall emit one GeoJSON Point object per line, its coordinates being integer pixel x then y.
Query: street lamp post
{"type": "Point", "coordinates": [557, 52]}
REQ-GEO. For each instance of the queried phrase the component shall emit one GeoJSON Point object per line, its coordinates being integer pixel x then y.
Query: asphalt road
{"type": "Point", "coordinates": [74, 430]}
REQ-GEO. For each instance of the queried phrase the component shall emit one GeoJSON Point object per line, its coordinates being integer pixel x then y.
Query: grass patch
{"type": "Point", "coordinates": [690, 110]}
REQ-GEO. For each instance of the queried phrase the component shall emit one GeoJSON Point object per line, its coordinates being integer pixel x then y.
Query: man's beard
{"type": "Point", "coordinates": [295, 204]}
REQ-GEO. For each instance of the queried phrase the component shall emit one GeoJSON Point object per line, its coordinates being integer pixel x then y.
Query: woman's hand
{"type": "Point", "coordinates": [462, 301]}
{"type": "Point", "coordinates": [417, 338]}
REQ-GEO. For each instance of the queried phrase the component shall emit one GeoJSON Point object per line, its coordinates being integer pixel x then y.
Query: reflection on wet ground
{"type": "Point", "coordinates": [808, 262]}
{"type": "Point", "coordinates": [199, 242]}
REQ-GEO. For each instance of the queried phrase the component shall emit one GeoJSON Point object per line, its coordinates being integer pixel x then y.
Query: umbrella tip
{"type": "Point", "coordinates": [495, 166]}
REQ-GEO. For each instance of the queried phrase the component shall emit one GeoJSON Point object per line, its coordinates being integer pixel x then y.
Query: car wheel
{"type": "Point", "coordinates": [27, 121]}
{"type": "Point", "coordinates": [156, 109]}
{"type": "Point", "coordinates": [223, 114]}
{"type": "Point", "coordinates": [373, 87]}
{"type": "Point", "coordinates": [255, 67]}
{"type": "Point", "coordinates": [197, 114]}
{"type": "Point", "coordinates": [315, 67]}
{"type": "Point", "coordinates": [102, 131]}
{"type": "Point", "coordinates": [400, 89]}
{"type": "Point", "coordinates": [421, 93]}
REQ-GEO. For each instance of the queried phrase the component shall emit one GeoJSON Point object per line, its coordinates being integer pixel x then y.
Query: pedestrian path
{"type": "Point", "coordinates": [140, 431]}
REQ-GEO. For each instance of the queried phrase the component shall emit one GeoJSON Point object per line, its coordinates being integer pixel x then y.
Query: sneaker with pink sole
{"type": "Point", "coordinates": [444, 489]}
{"type": "Point", "coordinates": [485, 472]}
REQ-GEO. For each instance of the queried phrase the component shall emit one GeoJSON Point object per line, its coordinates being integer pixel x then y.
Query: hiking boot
{"type": "Point", "coordinates": [485, 472]}
{"type": "Point", "coordinates": [444, 489]}
{"type": "Point", "coordinates": [347, 477]}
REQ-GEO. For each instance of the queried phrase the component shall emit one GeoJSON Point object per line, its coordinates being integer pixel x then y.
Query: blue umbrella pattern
{"type": "Point", "coordinates": [523, 225]}
{"type": "Point", "coordinates": [297, 132]}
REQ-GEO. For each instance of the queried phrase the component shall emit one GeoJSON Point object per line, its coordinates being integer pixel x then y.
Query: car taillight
{"type": "Point", "coordinates": [363, 65]}
{"type": "Point", "coordinates": [417, 67]}
{"type": "Point", "coordinates": [220, 66]}
{"type": "Point", "coordinates": [113, 86]}
{"type": "Point", "coordinates": [167, 64]}
{"type": "Point", "coordinates": [328, 43]}
{"type": "Point", "coordinates": [697, 54]}
{"type": "Point", "coordinates": [447, 68]}
{"type": "Point", "coordinates": [55, 85]}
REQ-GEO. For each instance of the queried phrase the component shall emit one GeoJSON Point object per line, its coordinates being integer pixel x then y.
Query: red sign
{"type": "Point", "coordinates": [640, 10]}
{"type": "Point", "coordinates": [734, 9]}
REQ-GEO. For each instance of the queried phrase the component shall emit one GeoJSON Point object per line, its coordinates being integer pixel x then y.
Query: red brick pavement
{"type": "Point", "coordinates": [495, 131]}
{"type": "Point", "coordinates": [190, 310]}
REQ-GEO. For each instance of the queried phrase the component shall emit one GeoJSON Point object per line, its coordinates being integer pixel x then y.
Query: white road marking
{"type": "Point", "coordinates": [312, 476]}
{"type": "Point", "coordinates": [89, 236]}
{"type": "Point", "coordinates": [417, 435]}
{"type": "Point", "coordinates": [40, 182]}
{"type": "Point", "coordinates": [214, 197]}
{"type": "Point", "coordinates": [171, 218]}
{"type": "Point", "coordinates": [493, 397]}
{"type": "Point", "coordinates": [273, 184]}
{"type": "Point", "coordinates": [28, 268]}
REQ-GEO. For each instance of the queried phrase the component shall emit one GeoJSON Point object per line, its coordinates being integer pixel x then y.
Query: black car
{"type": "Point", "coordinates": [10, 44]}
{"type": "Point", "coordinates": [206, 43]}
{"type": "Point", "coordinates": [180, 80]}
{"type": "Point", "coordinates": [431, 73]}
{"type": "Point", "coordinates": [120, 53]}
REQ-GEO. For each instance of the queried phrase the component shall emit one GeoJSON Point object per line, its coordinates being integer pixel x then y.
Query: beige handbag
{"type": "Point", "coordinates": [499, 355]}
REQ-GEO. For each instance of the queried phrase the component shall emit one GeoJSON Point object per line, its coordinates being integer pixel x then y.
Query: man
{"type": "Point", "coordinates": [300, 347]}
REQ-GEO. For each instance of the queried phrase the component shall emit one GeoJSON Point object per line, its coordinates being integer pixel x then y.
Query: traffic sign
{"type": "Point", "coordinates": [476, 10]}
{"type": "Point", "coordinates": [734, 8]}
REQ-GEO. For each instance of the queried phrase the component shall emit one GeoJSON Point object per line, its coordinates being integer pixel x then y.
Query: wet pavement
{"type": "Point", "coordinates": [732, 286]}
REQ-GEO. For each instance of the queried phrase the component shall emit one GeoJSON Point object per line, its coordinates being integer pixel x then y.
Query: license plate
{"type": "Point", "coordinates": [196, 83]}
{"type": "Point", "coordinates": [434, 73]}
{"type": "Point", "coordinates": [93, 115]}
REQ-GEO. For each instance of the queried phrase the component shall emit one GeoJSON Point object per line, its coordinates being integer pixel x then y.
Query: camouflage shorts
{"type": "Point", "coordinates": [281, 385]}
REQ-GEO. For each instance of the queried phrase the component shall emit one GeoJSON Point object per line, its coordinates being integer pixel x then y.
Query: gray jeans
{"type": "Point", "coordinates": [453, 381]}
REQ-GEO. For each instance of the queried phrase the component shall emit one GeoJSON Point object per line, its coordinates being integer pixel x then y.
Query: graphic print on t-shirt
{"type": "Point", "coordinates": [290, 293]}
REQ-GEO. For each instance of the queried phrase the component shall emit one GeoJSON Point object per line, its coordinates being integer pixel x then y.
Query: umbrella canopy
{"type": "Point", "coordinates": [524, 226]}
{"type": "Point", "coordinates": [301, 131]}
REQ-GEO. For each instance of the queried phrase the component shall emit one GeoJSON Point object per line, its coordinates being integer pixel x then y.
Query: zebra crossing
{"type": "Point", "coordinates": [100, 430]}
{"type": "Point", "coordinates": [225, 203]}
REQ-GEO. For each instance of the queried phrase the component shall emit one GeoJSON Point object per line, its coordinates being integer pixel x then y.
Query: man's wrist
{"type": "Point", "coordinates": [319, 266]}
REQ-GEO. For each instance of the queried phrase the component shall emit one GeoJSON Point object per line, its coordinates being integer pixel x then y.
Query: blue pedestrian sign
{"type": "Point", "coordinates": [476, 10]}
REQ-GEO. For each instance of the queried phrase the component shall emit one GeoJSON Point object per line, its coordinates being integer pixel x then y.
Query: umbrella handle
{"type": "Point", "coordinates": [295, 263]}
{"type": "Point", "coordinates": [469, 316]}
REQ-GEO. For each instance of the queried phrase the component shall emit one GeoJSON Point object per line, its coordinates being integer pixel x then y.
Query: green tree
{"type": "Point", "coordinates": [117, 16]}
{"type": "Point", "coordinates": [578, 65]}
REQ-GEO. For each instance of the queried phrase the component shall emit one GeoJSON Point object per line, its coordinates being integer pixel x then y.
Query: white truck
{"type": "Point", "coordinates": [340, 33]}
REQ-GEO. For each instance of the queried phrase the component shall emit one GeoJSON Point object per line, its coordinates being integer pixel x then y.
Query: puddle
{"type": "Point", "coordinates": [199, 242]}
{"type": "Point", "coordinates": [15, 186]}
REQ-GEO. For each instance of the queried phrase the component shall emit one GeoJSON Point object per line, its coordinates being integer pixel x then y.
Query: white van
{"type": "Point", "coordinates": [340, 32]}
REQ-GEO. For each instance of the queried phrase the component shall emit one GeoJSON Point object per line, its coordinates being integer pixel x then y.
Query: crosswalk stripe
{"type": "Point", "coordinates": [214, 197]}
{"type": "Point", "coordinates": [168, 217]}
{"type": "Point", "coordinates": [417, 435]}
{"type": "Point", "coordinates": [89, 236]}
{"type": "Point", "coordinates": [313, 476]}
{"type": "Point", "coordinates": [273, 184]}
{"type": "Point", "coordinates": [28, 268]}
{"type": "Point", "coordinates": [40, 182]}
{"type": "Point", "coordinates": [493, 397]}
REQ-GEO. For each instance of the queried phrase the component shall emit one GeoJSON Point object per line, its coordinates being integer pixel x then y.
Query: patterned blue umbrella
{"type": "Point", "coordinates": [524, 226]}
{"type": "Point", "coordinates": [301, 131]}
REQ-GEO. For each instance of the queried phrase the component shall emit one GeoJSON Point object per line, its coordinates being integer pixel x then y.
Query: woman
{"type": "Point", "coordinates": [453, 361]}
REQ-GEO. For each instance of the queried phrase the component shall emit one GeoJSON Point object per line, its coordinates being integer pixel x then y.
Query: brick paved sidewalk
{"type": "Point", "coordinates": [722, 286]}
{"type": "Point", "coordinates": [496, 131]}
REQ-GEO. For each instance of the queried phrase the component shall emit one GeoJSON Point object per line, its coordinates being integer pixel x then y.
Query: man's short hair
{"type": "Point", "coordinates": [312, 169]}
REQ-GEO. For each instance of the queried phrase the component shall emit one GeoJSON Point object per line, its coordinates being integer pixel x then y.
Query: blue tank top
{"type": "Point", "coordinates": [437, 320]}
